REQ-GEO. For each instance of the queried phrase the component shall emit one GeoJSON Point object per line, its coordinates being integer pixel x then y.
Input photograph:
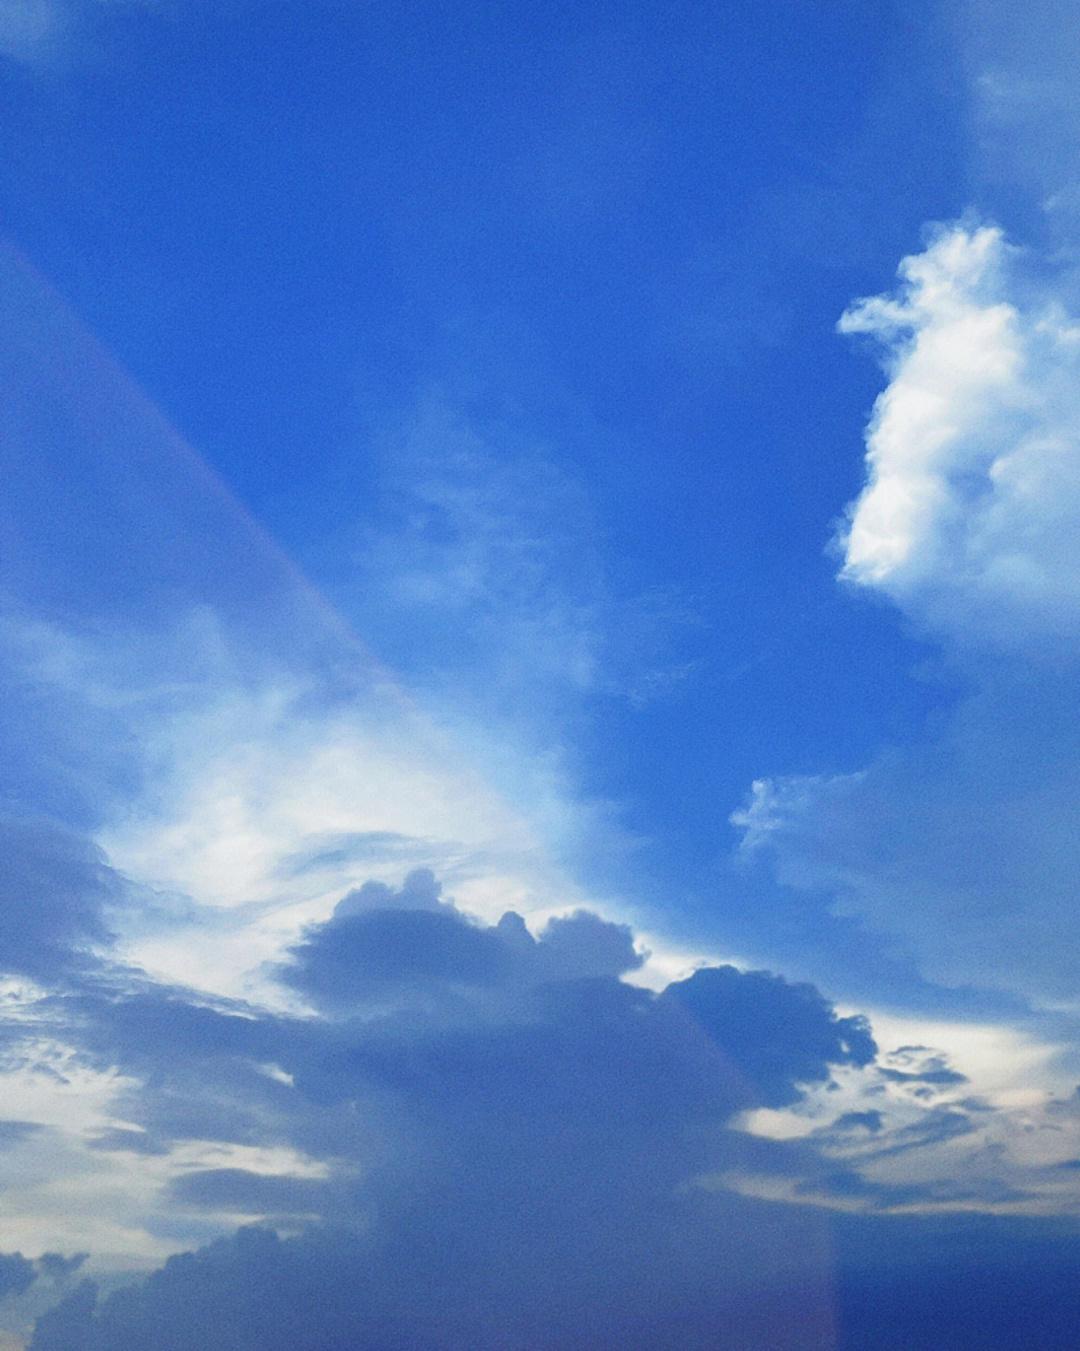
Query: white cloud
{"type": "Point", "coordinates": [960, 848]}
{"type": "Point", "coordinates": [969, 518]}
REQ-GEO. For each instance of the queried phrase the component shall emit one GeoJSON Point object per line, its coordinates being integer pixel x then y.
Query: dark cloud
{"type": "Point", "coordinates": [17, 1274]}
{"type": "Point", "coordinates": [56, 1267]}
{"type": "Point", "coordinates": [924, 1071]}
{"type": "Point", "coordinates": [409, 947]}
{"type": "Point", "coordinates": [501, 1110]}
{"type": "Point", "coordinates": [869, 1121]}
{"type": "Point", "coordinates": [846, 1184]}
{"type": "Point", "coordinates": [512, 1139]}
{"type": "Point", "coordinates": [54, 887]}
{"type": "Point", "coordinates": [243, 1192]}
{"type": "Point", "coordinates": [515, 1142]}
{"type": "Point", "coordinates": [360, 958]}
{"type": "Point", "coordinates": [936, 1125]}
{"type": "Point", "coordinates": [940, 1077]}
{"type": "Point", "coordinates": [871, 1283]}
{"type": "Point", "coordinates": [419, 891]}
{"type": "Point", "coordinates": [330, 1289]}
{"type": "Point", "coordinates": [582, 944]}
{"type": "Point", "coordinates": [782, 1034]}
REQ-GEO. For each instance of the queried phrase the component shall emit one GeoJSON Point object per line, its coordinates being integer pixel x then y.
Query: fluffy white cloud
{"type": "Point", "coordinates": [968, 520]}
{"type": "Point", "coordinates": [960, 848]}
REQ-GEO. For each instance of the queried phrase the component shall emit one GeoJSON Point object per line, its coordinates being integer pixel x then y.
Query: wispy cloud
{"type": "Point", "coordinates": [484, 563]}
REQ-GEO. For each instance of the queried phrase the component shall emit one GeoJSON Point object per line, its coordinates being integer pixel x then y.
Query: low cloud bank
{"type": "Point", "coordinates": [958, 1284]}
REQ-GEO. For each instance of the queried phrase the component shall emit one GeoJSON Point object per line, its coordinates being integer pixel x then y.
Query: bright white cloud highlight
{"type": "Point", "coordinates": [969, 518]}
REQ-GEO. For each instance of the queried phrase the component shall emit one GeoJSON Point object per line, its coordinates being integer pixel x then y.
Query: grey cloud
{"type": "Point", "coordinates": [519, 1160]}
{"type": "Point", "coordinates": [933, 1127]}
{"type": "Point", "coordinates": [866, 1283]}
{"type": "Point", "coordinates": [940, 1077]}
{"type": "Point", "coordinates": [419, 891]}
{"type": "Point", "coordinates": [508, 1075]}
{"type": "Point", "coordinates": [56, 1267]}
{"type": "Point", "coordinates": [360, 957]}
{"type": "Point", "coordinates": [582, 944]}
{"type": "Point", "coordinates": [846, 1184]}
{"type": "Point", "coordinates": [334, 1289]}
{"type": "Point", "coordinates": [409, 946]}
{"type": "Point", "coordinates": [54, 888]}
{"type": "Point", "coordinates": [783, 1034]}
{"type": "Point", "coordinates": [920, 1066]}
{"type": "Point", "coordinates": [239, 1190]}
{"type": "Point", "coordinates": [17, 1274]}
{"type": "Point", "coordinates": [869, 1121]}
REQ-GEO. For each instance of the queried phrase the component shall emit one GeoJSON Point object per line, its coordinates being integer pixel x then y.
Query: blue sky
{"type": "Point", "coordinates": [539, 633]}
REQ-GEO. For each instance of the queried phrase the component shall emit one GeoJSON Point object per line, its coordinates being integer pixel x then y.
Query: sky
{"type": "Point", "coordinates": [539, 636]}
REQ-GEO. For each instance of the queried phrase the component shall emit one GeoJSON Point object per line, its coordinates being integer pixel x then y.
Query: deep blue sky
{"type": "Point", "coordinates": [622, 240]}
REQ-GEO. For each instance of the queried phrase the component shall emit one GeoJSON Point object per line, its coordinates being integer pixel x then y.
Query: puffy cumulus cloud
{"type": "Point", "coordinates": [442, 1019]}
{"type": "Point", "coordinates": [382, 943]}
{"type": "Point", "coordinates": [511, 1132]}
{"type": "Point", "coordinates": [968, 518]}
{"type": "Point", "coordinates": [789, 1033]}
{"type": "Point", "coordinates": [18, 1273]}
{"type": "Point", "coordinates": [951, 844]}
